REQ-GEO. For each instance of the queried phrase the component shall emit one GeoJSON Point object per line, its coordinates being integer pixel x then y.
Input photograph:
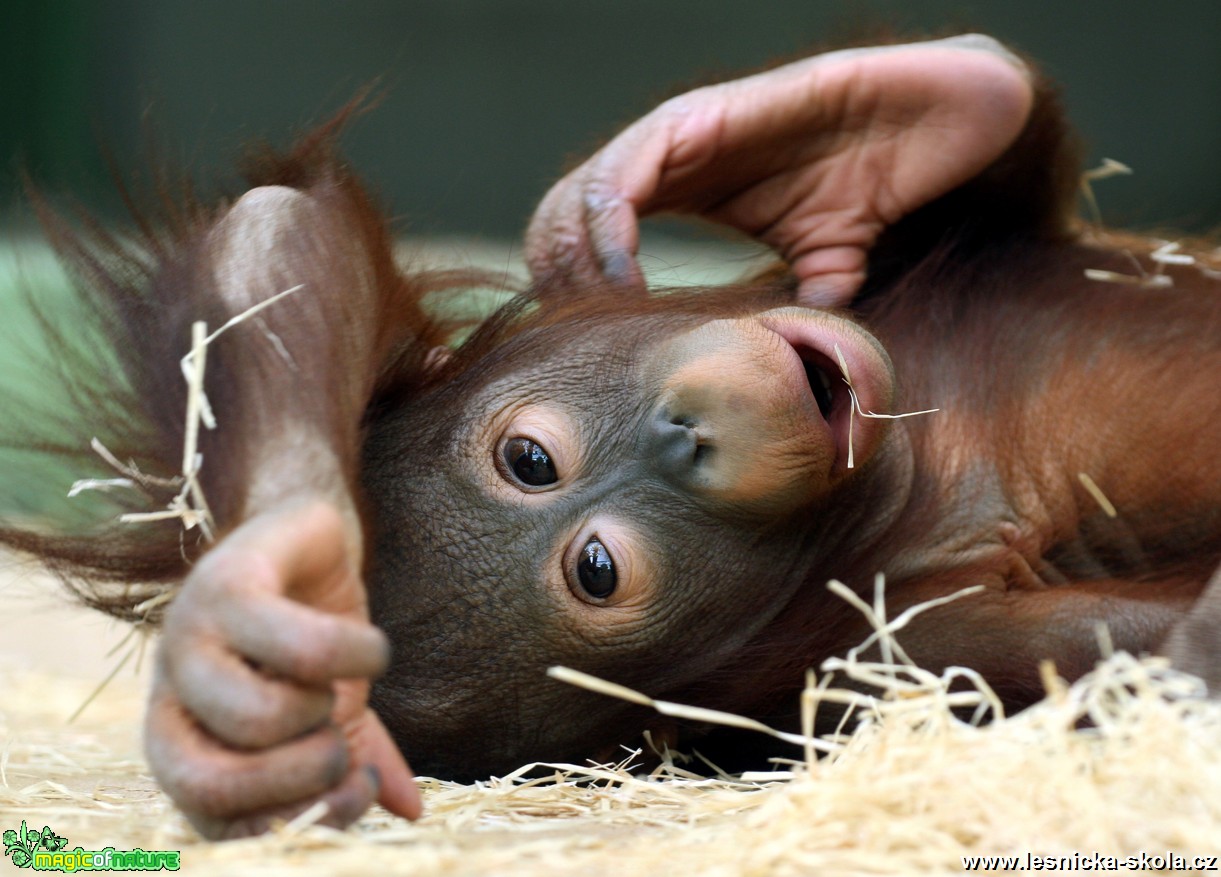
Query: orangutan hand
{"type": "Point", "coordinates": [260, 706]}
{"type": "Point", "coordinates": [814, 158]}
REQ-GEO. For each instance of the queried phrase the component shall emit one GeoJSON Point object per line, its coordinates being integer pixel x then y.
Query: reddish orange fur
{"type": "Point", "coordinates": [962, 292]}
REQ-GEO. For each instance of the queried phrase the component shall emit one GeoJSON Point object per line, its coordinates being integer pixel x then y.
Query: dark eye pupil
{"type": "Point", "coordinates": [596, 570]}
{"type": "Point", "coordinates": [529, 462]}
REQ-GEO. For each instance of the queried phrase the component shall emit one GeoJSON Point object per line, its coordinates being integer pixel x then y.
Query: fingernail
{"type": "Point", "coordinates": [984, 43]}
{"type": "Point", "coordinates": [375, 777]}
{"type": "Point", "coordinates": [598, 202]}
{"type": "Point", "coordinates": [619, 266]}
{"type": "Point", "coordinates": [337, 766]}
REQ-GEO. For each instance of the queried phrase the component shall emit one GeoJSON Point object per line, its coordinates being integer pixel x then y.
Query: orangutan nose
{"type": "Point", "coordinates": [677, 447]}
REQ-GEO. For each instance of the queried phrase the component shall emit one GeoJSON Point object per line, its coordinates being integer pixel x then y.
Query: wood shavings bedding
{"type": "Point", "coordinates": [1125, 761]}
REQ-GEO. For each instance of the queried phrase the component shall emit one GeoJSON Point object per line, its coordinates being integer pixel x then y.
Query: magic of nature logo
{"type": "Point", "coordinates": [47, 851]}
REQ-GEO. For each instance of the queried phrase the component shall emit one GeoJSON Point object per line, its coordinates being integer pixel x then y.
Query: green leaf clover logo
{"type": "Point", "coordinates": [21, 844]}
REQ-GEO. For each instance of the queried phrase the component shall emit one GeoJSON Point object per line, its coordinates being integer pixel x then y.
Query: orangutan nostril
{"type": "Point", "coordinates": [820, 386]}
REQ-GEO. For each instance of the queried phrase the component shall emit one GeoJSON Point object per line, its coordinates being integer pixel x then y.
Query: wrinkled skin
{"type": "Point", "coordinates": [338, 750]}
{"type": "Point", "coordinates": [724, 439]}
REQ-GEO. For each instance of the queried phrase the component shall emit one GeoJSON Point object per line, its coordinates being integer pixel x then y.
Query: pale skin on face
{"type": "Point", "coordinates": [739, 391]}
{"type": "Point", "coordinates": [747, 381]}
{"type": "Point", "coordinates": [735, 383]}
{"type": "Point", "coordinates": [744, 401]}
{"type": "Point", "coordinates": [556, 432]}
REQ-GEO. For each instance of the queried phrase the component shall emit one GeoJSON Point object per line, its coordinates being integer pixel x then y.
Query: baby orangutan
{"type": "Point", "coordinates": [655, 488]}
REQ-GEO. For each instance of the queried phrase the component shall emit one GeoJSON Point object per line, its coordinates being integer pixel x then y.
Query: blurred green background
{"type": "Point", "coordinates": [485, 99]}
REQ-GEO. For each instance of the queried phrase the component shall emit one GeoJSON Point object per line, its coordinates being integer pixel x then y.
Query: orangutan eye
{"type": "Point", "coordinates": [529, 463]}
{"type": "Point", "coordinates": [596, 570]}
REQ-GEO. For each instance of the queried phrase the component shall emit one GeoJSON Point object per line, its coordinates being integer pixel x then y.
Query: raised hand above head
{"type": "Point", "coordinates": [814, 158]}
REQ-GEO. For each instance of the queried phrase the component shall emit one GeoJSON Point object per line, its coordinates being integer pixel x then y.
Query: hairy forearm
{"type": "Point", "coordinates": [308, 361]}
{"type": "Point", "coordinates": [298, 372]}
